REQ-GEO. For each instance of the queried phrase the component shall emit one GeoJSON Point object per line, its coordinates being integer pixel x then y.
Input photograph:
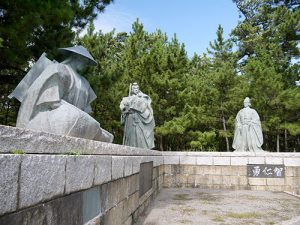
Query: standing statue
{"type": "Point", "coordinates": [138, 120]}
{"type": "Point", "coordinates": [55, 98]}
{"type": "Point", "coordinates": [248, 135]}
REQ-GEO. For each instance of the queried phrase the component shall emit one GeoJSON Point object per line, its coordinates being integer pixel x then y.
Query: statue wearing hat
{"type": "Point", "coordinates": [55, 98]}
{"type": "Point", "coordinates": [138, 120]}
{"type": "Point", "coordinates": [248, 135]}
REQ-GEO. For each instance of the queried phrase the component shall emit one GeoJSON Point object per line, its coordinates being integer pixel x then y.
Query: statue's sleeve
{"type": "Point", "coordinates": [237, 132]}
{"type": "Point", "coordinates": [45, 92]}
{"type": "Point", "coordinates": [57, 80]}
{"type": "Point", "coordinates": [256, 125]}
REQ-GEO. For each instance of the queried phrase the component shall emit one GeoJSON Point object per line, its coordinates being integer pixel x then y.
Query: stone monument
{"type": "Point", "coordinates": [138, 120]}
{"type": "Point", "coordinates": [248, 135]}
{"type": "Point", "coordinates": [55, 98]}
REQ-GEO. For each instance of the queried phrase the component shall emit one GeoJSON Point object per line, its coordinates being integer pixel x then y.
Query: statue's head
{"type": "Point", "coordinates": [247, 102]}
{"type": "Point", "coordinates": [78, 56]}
{"type": "Point", "coordinates": [135, 88]}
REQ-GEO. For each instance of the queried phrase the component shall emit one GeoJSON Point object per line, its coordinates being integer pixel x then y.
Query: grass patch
{"type": "Point", "coordinates": [207, 197]}
{"type": "Point", "coordinates": [187, 210]}
{"type": "Point", "coordinates": [182, 197]}
{"type": "Point", "coordinates": [151, 223]}
{"type": "Point", "coordinates": [219, 219]}
{"type": "Point", "coordinates": [250, 215]}
{"type": "Point", "coordinates": [185, 221]}
{"type": "Point", "coordinates": [74, 152]}
{"type": "Point", "coordinates": [18, 151]}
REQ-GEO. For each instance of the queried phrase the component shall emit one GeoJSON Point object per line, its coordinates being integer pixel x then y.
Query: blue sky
{"type": "Point", "coordinates": [195, 22]}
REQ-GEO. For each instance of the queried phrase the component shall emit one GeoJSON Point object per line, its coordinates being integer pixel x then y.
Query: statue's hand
{"type": "Point", "coordinates": [55, 105]}
{"type": "Point", "coordinates": [126, 109]}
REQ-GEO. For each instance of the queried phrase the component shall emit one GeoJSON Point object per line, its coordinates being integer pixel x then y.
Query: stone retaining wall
{"type": "Point", "coordinates": [66, 180]}
{"type": "Point", "coordinates": [222, 170]}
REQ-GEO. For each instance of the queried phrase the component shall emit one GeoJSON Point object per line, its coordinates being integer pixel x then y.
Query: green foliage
{"type": "Point", "coordinates": [29, 28]}
{"type": "Point", "coordinates": [18, 152]}
{"type": "Point", "coordinates": [203, 141]}
{"type": "Point", "coordinates": [195, 100]}
{"type": "Point", "coordinates": [74, 152]}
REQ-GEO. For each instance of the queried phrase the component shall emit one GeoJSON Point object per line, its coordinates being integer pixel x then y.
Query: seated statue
{"type": "Point", "coordinates": [138, 120]}
{"type": "Point", "coordinates": [248, 135]}
{"type": "Point", "coordinates": [55, 98]}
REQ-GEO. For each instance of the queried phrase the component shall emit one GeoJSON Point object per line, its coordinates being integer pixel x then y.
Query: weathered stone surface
{"type": "Point", "coordinates": [79, 173]}
{"type": "Point", "coordinates": [136, 164]}
{"type": "Point", "coordinates": [238, 161]}
{"type": "Point", "coordinates": [292, 161]}
{"type": "Point", "coordinates": [94, 221]}
{"type": "Point", "coordinates": [221, 160]}
{"type": "Point", "coordinates": [64, 211]}
{"type": "Point", "coordinates": [128, 166]}
{"type": "Point", "coordinates": [133, 184]}
{"type": "Point", "coordinates": [12, 138]}
{"type": "Point", "coordinates": [158, 160]}
{"type": "Point", "coordinates": [275, 181]}
{"type": "Point", "coordinates": [114, 215]}
{"type": "Point", "coordinates": [104, 197]}
{"type": "Point", "coordinates": [257, 181]}
{"type": "Point", "coordinates": [145, 177]}
{"type": "Point", "coordinates": [118, 164]}
{"type": "Point", "coordinates": [128, 221]}
{"type": "Point", "coordinates": [9, 172]}
{"type": "Point", "coordinates": [171, 160]}
{"type": "Point", "coordinates": [42, 178]}
{"type": "Point", "coordinates": [103, 169]}
{"type": "Point", "coordinates": [187, 160]}
{"type": "Point", "coordinates": [91, 205]}
{"type": "Point", "coordinates": [204, 160]}
{"type": "Point", "coordinates": [274, 160]}
{"type": "Point", "coordinates": [116, 192]}
{"type": "Point", "coordinates": [256, 160]}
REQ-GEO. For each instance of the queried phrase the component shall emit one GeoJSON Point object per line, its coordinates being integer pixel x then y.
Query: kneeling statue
{"type": "Point", "coordinates": [55, 98]}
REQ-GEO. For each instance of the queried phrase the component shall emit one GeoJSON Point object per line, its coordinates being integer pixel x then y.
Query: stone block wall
{"type": "Point", "coordinates": [66, 180]}
{"type": "Point", "coordinates": [86, 182]}
{"type": "Point", "coordinates": [221, 170]}
{"type": "Point", "coordinates": [47, 189]}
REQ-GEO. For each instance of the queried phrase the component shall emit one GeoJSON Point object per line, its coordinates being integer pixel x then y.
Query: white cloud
{"type": "Point", "coordinates": [113, 18]}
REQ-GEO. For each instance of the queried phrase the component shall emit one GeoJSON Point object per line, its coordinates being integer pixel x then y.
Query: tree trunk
{"type": "Point", "coordinates": [277, 143]}
{"type": "Point", "coordinates": [161, 146]}
{"type": "Point", "coordinates": [285, 140]}
{"type": "Point", "coordinates": [226, 138]}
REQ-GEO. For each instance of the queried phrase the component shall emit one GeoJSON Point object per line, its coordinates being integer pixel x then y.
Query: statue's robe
{"type": "Point", "coordinates": [248, 133]}
{"type": "Point", "coordinates": [56, 99]}
{"type": "Point", "coordinates": [138, 121]}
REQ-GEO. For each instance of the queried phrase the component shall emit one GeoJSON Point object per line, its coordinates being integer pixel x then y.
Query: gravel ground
{"type": "Point", "coordinates": [176, 206]}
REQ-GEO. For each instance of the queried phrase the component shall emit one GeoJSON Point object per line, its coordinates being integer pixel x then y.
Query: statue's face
{"type": "Point", "coordinates": [135, 89]}
{"type": "Point", "coordinates": [246, 103]}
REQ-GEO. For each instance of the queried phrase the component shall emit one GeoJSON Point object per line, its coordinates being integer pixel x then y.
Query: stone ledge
{"type": "Point", "coordinates": [12, 138]}
{"type": "Point", "coordinates": [9, 172]}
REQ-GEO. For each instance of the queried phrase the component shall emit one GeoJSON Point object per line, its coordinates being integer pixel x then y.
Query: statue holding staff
{"type": "Point", "coordinates": [138, 120]}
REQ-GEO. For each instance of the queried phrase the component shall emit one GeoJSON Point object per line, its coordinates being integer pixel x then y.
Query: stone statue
{"type": "Point", "coordinates": [138, 120]}
{"type": "Point", "coordinates": [248, 135]}
{"type": "Point", "coordinates": [55, 98]}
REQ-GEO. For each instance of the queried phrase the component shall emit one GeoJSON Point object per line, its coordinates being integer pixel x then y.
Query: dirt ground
{"type": "Point", "coordinates": [224, 207]}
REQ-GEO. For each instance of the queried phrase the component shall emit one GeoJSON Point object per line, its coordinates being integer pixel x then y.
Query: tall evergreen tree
{"type": "Point", "coordinates": [268, 36]}
{"type": "Point", "coordinates": [29, 28]}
